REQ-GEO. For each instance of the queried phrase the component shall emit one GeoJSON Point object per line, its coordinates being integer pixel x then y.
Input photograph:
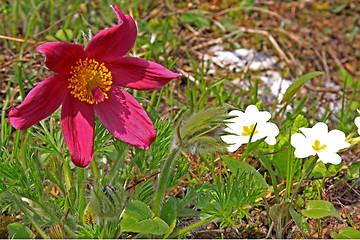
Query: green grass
{"type": "Point", "coordinates": [35, 164]}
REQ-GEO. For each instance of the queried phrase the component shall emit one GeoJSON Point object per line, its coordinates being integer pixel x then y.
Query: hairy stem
{"type": "Point", "coordinates": [164, 178]}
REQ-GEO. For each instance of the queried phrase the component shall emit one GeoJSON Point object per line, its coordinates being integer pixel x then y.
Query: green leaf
{"type": "Point", "coordinates": [236, 165]}
{"type": "Point", "coordinates": [139, 218]}
{"type": "Point", "coordinates": [301, 222]}
{"type": "Point", "coordinates": [138, 210]}
{"type": "Point", "coordinates": [320, 209]}
{"type": "Point", "coordinates": [168, 212]}
{"type": "Point", "coordinates": [319, 170]}
{"type": "Point", "coordinates": [292, 90]}
{"type": "Point", "coordinates": [299, 122]}
{"type": "Point", "coordinates": [346, 233]}
{"type": "Point", "coordinates": [19, 231]}
{"type": "Point", "coordinates": [188, 212]}
{"type": "Point", "coordinates": [155, 226]}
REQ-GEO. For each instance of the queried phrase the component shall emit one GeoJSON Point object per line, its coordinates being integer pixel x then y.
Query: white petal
{"type": "Point", "coordinates": [233, 147]}
{"type": "Point", "coordinates": [271, 140]}
{"type": "Point", "coordinates": [357, 123]}
{"type": "Point", "coordinates": [297, 140]}
{"type": "Point", "coordinates": [302, 146]}
{"type": "Point", "coordinates": [329, 157]}
{"type": "Point", "coordinates": [318, 130]}
{"type": "Point", "coordinates": [230, 139]}
{"type": "Point", "coordinates": [303, 153]}
{"type": "Point", "coordinates": [336, 140]}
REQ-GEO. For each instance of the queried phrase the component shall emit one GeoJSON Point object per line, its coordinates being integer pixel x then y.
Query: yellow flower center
{"type": "Point", "coordinates": [90, 81]}
{"type": "Point", "coordinates": [317, 146]}
{"type": "Point", "coordinates": [248, 130]}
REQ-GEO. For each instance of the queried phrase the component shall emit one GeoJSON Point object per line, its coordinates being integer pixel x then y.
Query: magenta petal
{"type": "Point", "coordinates": [60, 56]}
{"type": "Point", "coordinates": [77, 124]}
{"type": "Point", "coordinates": [40, 103]}
{"type": "Point", "coordinates": [124, 117]}
{"type": "Point", "coordinates": [113, 42]}
{"type": "Point", "coordinates": [137, 73]}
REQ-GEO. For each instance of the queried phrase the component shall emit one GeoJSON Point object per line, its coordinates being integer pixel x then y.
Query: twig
{"type": "Point", "coordinates": [141, 180]}
{"type": "Point", "coordinates": [268, 35]}
{"type": "Point", "coordinates": [17, 39]}
{"type": "Point", "coordinates": [255, 9]}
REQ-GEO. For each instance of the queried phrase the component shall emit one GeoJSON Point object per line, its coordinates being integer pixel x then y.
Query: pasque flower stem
{"type": "Point", "coordinates": [58, 220]}
{"type": "Point", "coordinates": [164, 178]}
{"type": "Point", "coordinates": [25, 211]}
{"type": "Point", "coordinates": [81, 193]}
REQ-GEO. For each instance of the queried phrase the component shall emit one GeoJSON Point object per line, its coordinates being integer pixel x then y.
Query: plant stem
{"type": "Point", "coordinates": [25, 211]}
{"type": "Point", "coordinates": [81, 193]}
{"type": "Point", "coordinates": [164, 178]}
{"type": "Point", "coordinates": [306, 173]}
{"type": "Point", "coordinates": [58, 220]}
{"type": "Point", "coordinates": [198, 224]}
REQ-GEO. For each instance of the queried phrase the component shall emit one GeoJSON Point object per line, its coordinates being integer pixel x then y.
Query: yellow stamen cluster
{"type": "Point", "coordinates": [89, 78]}
{"type": "Point", "coordinates": [317, 146]}
{"type": "Point", "coordinates": [248, 130]}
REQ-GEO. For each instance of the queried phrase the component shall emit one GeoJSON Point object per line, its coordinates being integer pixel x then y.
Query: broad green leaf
{"type": "Point", "coordinates": [188, 212]}
{"type": "Point", "coordinates": [278, 211]}
{"type": "Point", "coordinates": [153, 226]}
{"type": "Point", "coordinates": [280, 161]}
{"type": "Point", "coordinates": [138, 217]}
{"type": "Point", "coordinates": [302, 224]}
{"type": "Point", "coordinates": [168, 212]}
{"type": "Point", "coordinates": [319, 170]}
{"type": "Point", "coordinates": [19, 231]}
{"type": "Point", "coordinates": [353, 170]}
{"type": "Point", "coordinates": [346, 233]}
{"type": "Point", "coordinates": [294, 88]}
{"type": "Point", "coordinates": [320, 209]}
{"type": "Point", "coordinates": [138, 211]}
{"type": "Point", "coordinates": [236, 165]}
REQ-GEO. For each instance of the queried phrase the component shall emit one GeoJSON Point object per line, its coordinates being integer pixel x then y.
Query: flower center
{"type": "Point", "coordinates": [248, 130]}
{"type": "Point", "coordinates": [317, 146]}
{"type": "Point", "coordinates": [90, 81]}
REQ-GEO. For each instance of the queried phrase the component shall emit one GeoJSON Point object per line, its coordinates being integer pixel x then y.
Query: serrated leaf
{"type": "Point", "coordinates": [300, 121]}
{"type": "Point", "coordinates": [302, 224]}
{"type": "Point", "coordinates": [19, 231]}
{"type": "Point", "coordinates": [319, 209]}
{"type": "Point", "coordinates": [236, 165]}
{"type": "Point", "coordinates": [346, 233]}
{"type": "Point", "coordinates": [294, 88]}
{"type": "Point", "coordinates": [138, 211]}
{"type": "Point", "coordinates": [155, 226]}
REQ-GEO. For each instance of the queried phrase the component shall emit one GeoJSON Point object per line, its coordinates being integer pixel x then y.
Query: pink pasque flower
{"type": "Point", "coordinates": [86, 82]}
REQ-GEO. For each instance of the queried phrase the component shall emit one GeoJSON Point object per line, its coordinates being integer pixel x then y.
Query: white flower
{"type": "Point", "coordinates": [317, 140]}
{"type": "Point", "coordinates": [357, 122]}
{"type": "Point", "coordinates": [243, 125]}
